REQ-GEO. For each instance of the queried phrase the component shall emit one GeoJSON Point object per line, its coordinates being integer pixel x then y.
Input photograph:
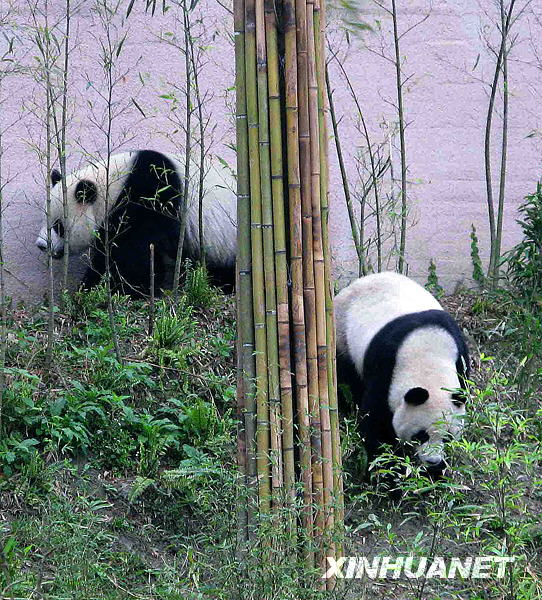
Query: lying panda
{"type": "Point", "coordinates": [145, 194]}
{"type": "Point", "coordinates": [404, 358]}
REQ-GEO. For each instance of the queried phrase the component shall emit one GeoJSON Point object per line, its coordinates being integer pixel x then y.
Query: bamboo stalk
{"type": "Point", "coordinates": [62, 147]}
{"type": "Point", "coordinates": [336, 464]}
{"type": "Point", "coordinates": [185, 199]}
{"type": "Point", "coordinates": [281, 267]}
{"type": "Point", "coordinates": [268, 258]}
{"type": "Point", "coordinates": [243, 509]}
{"type": "Point", "coordinates": [354, 227]}
{"type": "Point", "coordinates": [296, 265]}
{"type": "Point", "coordinates": [309, 293]}
{"type": "Point", "coordinates": [151, 289]}
{"type": "Point", "coordinates": [258, 289]}
{"type": "Point", "coordinates": [318, 144]}
{"type": "Point", "coordinates": [246, 364]}
{"type": "Point", "coordinates": [401, 115]}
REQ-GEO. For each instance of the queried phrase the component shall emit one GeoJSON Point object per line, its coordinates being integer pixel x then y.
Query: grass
{"type": "Point", "coordinates": [118, 480]}
{"type": "Point", "coordinates": [103, 465]}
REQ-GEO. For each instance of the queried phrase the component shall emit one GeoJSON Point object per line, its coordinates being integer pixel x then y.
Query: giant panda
{"type": "Point", "coordinates": [404, 359]}
{"type": "Point", "coordinates": [145, 194]}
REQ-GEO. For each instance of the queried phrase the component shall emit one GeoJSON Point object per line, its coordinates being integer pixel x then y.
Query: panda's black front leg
{"type": "Point", "coordinates": [94, 272]}
{"type": "Point", "coordinates": [90, 279]}
{"type": "Point", "coordinates": [377, 431]}
{"type": "Point", "coordinates": [380, 438]}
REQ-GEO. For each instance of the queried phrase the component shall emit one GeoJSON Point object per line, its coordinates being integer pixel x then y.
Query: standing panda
{"type": "Point", "coordinates": [145, 195]}
{"type": "Point", "coordinates": [404, 359]}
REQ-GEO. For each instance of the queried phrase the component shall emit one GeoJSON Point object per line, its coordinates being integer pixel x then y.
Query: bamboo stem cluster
{"type": "Point", "coordinates": [289, 449]}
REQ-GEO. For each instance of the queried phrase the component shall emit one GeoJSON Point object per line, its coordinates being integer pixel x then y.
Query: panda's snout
{"type": "Point", "coordinates": [41, 244]}
{"type": "Point", "coordinates": [430, 452]}
{"type": "Point", "coordinates": [57, 245]}
{"type": "Point", "coordinates": [433, 461]}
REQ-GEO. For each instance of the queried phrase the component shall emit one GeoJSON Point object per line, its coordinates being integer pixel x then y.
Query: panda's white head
{"type": "Point", "coordinates": [426, 405]}
{"type": "Point", "coordinates": [86, 205]}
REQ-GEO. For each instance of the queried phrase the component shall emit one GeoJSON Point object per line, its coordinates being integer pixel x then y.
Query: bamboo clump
{"type": "Point", "coordinates": [287, 402]}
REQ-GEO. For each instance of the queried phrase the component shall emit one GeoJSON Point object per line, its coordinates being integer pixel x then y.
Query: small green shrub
{"type": "Point", "coordinates": [106, 372]}
{"type": "Point", "coordinates": [173, 326]}
{"type": "Point", "coordinates": [15, 452]}
{"type": "Point", "coordinates": [154, 437]}
{"type": "Point", "coordinates": [174, 336]}
{"type": "Point", "coordinates": [525, 259]}
{"type": "Point", "coordinates": [85, 301]}
{"type": "Point", "coordinates": [193, 475]}
{"type": "Point", "coordinates": [197, 288]}
{"type": "Point", "coordinates": [433, 284]}
{"type": "Point", "coordinates": [477, 269]}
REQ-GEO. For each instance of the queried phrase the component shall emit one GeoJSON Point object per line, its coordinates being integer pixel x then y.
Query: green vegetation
{"type": "Point", "coordinates": [433, 284]}
{"type": "Point", "coordinates": [118, 480]}
{"type": "Point", "coordinates": [98, 459]}
{"type": "Point", "coordinates": [525, 260]}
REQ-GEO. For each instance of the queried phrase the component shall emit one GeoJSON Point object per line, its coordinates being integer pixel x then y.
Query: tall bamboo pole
{"type": "Point", "coordinates": [286, 348]}
{"type": "Point", "coordinates": [296, 264]}
{"type": "Point", "coordinates": [318, 144]}
{"type": "Point", "coordinates": [309, 293]}
{"type": "Point", "coordinates": [268, 259]}
{"type": "Point", "coordinates": [258, 282]}
{"type": "Point", "coordinates": [245, 355]}
{"type": "Point", "coordinates": [281, 282]}
{"type": "Point", "coordinates": [336, 497]}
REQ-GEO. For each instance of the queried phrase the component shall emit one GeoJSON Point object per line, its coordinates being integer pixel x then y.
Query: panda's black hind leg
{"type": "Point", "coordinates": [222, 277]}
{"type": "Point", "coordinates": [350, 388]}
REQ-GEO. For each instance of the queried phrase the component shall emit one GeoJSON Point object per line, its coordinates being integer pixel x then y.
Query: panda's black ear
{"type": "Point", "coordinates": [55, 177]}
{"type": "Point", "coordinates": [416, 396]}
{"type": "Point", "coordinates": [86, 192]}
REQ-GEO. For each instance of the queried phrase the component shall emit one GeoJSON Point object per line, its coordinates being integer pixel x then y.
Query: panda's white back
{"type": "Point", "coordinates": [219, 215]}
{"type": "Point", "coordinates": [369, 303]}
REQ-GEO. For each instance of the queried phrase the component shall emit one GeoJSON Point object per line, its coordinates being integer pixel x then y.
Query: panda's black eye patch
{"type": "Point", "coordinates": [421, 437]}
{"type": "Point", "coordinates": [58, 228]}
{"type": "Point", "coordinates": [416, 396]}
{"type": "Point", "coordinates": [86, 192]}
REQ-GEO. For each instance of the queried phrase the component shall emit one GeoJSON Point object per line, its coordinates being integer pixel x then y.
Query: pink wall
{"type": "Point", "coordinates": [445, 108]}
{"type": "Point", "coordinates": [446, 104]}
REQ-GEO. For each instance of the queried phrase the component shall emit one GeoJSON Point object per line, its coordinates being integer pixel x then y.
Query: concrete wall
{"type": "Point", "coordinates": [446, 104]}
{"type": "Point", "coordinates": [445, 101]}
